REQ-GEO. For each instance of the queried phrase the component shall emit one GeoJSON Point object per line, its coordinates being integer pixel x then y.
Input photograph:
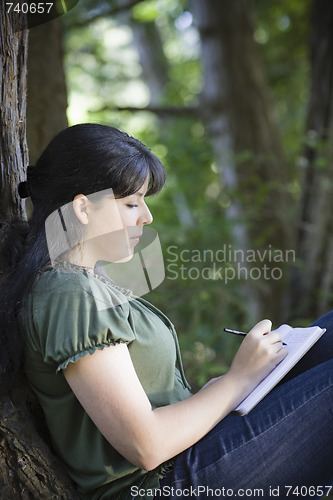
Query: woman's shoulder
{"type": "Point", "coordinates": [63, 276]}
{"type": "Point", "coordinates": [74, 283]}
{"type": "Point", "coordinates": [71, 313]}
{"type": "Point", "coordinates": [55, 282]}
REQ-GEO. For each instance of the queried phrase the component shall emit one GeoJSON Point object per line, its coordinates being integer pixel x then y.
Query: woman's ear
{"type": "Point", "coordinates": [80, 203]}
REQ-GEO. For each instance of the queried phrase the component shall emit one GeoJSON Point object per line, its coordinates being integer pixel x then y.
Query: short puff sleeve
{"type": "Point", "coordinates": [75, 314]}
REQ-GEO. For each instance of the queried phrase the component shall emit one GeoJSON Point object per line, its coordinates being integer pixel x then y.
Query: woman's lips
{"type": "Point", "coordinates": [135, 239]}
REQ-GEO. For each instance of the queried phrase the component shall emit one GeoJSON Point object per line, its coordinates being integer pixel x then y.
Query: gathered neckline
{"type": "Point", "coordinates": [98, 272]}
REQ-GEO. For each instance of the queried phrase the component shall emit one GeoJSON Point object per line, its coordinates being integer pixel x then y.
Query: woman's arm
{"type": "Point", "coordinates": [108, 388]}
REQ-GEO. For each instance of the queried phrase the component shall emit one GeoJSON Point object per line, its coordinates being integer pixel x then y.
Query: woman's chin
{"type": "Point", "coordinates": [120, 258]}
{"type": "Point", "coordinates": [125, 259]}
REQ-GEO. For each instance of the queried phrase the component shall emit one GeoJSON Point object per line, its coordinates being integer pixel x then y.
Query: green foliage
{"type": "Point", "coordinates": [199, 305]}
{"type": "Point", "coordinates": [104, 72]}
{"type": "Point", "coordinates": [282, 33]}
{"type": "Point", "coordinates": [145, 11]}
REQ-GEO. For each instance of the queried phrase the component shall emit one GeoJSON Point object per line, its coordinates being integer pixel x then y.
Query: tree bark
{"type": "Point", "coordinates": [28, 468]}
{"type": "Point", "coordinates": [238, 111]}
{"type": "Point", "coordinates": [13, 146]}
{"type": "Point", "coordinates": [312, 283]}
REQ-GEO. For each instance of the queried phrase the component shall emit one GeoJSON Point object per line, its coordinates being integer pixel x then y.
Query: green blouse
{"type": "Point", "coordinates": [68, 315]}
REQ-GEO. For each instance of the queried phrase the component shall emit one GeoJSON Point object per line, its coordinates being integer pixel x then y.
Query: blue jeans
{"type": "Point", "coordinates": [283, 448]}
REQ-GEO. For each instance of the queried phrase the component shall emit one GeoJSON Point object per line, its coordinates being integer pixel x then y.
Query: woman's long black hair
{"type": "Point", "coordinates": [82, 159]}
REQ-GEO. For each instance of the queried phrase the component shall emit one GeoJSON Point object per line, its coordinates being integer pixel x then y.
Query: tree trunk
{"type": "Point", "coordinates": [47, 93]}
{"type": "Point", "coordinates": [312, 283]}
{"type": "Point", "coordinates": [13, 147]}
{"type": "Point", "coordinates": [28, 468]}
{"type": "Point", "coordinates": [155, 74]}
{"type": "Point", "coordinates": [238, 112]}
{"type": "Point", "coordinates": [149, 46]}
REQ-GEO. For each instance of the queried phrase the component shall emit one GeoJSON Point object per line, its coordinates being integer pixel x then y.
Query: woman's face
{"type": "Point", "coordinates": [114, 226]}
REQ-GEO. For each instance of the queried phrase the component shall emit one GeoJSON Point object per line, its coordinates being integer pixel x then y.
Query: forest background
{"type": "Point", "coordinates": [236, 100]}
{"type": "Point", "coordinates": [235, 97]}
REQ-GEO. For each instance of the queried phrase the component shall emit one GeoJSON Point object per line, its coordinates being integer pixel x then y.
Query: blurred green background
{"type": "Point", "coordinates": [235, 98]}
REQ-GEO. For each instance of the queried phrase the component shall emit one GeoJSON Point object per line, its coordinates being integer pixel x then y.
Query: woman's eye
{"type": "Point", "coordinates": [132, 206]}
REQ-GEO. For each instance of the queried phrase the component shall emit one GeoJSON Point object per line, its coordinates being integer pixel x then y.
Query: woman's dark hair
{"type": "Point", "coordinates": [82, 159]}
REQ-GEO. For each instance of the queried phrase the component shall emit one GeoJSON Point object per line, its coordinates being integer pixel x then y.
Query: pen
{"type": "Point", "coordinates": [236, 332]}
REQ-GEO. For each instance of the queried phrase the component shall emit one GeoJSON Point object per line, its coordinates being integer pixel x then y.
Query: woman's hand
{"type": "Point", "coordinates": [108, 388]}
{"type": "Point", "coordinates": [259, 353]}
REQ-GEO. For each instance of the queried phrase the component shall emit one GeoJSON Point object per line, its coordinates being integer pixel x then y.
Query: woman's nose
{"type": "Point", "coordinates": [146, 217]}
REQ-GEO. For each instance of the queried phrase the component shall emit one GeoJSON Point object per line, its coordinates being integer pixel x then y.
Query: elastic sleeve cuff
{"type": "Point", "coordinates": [90, 350]}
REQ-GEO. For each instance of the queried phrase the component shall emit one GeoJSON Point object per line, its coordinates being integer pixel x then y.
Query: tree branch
{"type": "Point", "coordinates": [112, 11]}
{"type": "Point", "coordinates": [158, 110]}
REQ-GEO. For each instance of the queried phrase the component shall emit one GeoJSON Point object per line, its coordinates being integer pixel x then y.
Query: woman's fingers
{"type": "Point", "coordinates": [269, 348]}
{"type": "Point", "coordinates": [262, 328]}
{"type": "Point", "coordinates": [258, 354]}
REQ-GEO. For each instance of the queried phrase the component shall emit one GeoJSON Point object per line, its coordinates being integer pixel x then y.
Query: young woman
{"type": "Point", "coordinates": [106, 365]}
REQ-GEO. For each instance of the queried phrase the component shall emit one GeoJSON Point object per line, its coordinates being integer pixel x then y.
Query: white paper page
{"type": "Point", "coordinates": [299, 341]}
